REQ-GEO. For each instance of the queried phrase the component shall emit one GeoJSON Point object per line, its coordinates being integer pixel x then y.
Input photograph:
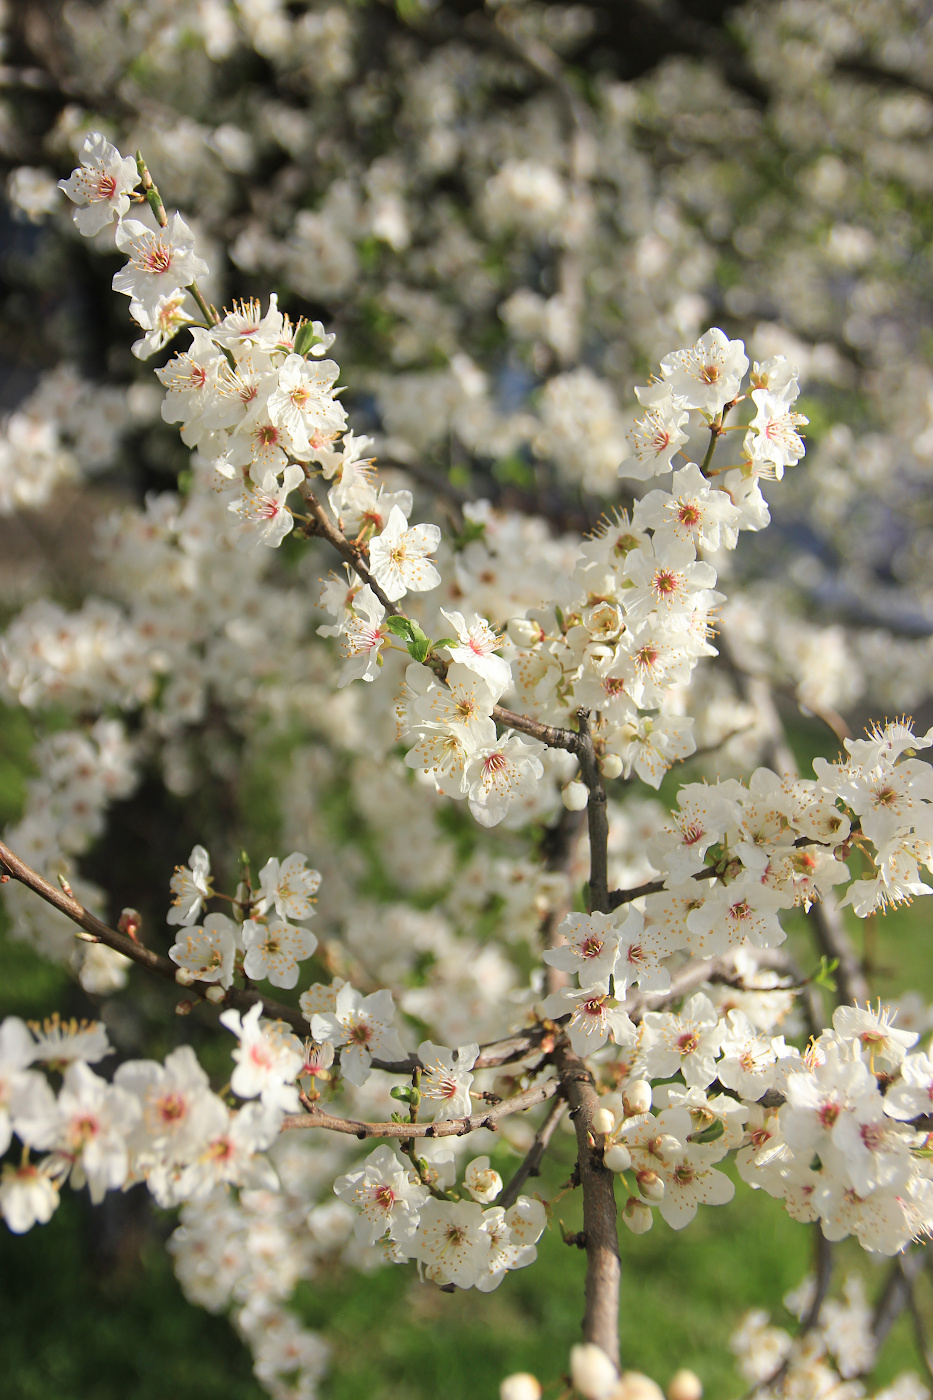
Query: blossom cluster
{"type": "Point", "coordinates": [466, 1242]}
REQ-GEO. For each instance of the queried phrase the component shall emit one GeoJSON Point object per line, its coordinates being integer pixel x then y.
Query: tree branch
{"type": "Point", "coordinates": [450, 1127]}
{"type": "Point", "coordinates": [596, 815]}
{"type": "Point", "coordinates": [498, 1052]}
{"type": "Point", "coordinates": [603, 1270]}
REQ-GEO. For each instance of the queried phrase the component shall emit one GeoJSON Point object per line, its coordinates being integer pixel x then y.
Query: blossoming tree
{"type": "Point", "coordinates": [537, 678]}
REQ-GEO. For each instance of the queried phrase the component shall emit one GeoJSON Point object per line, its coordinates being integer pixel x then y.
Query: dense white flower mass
{"type": "Point", "coordinates": [545, 657]}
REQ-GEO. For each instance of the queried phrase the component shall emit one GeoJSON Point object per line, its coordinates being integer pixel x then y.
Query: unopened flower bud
{"type": "Point", "coordinates": [611, 765]}
{"type": "Point", "coordinates": [521, 1386]}
{"type": "Point", "coordinates": [524, 632]}
{"type": "Point", "coordinates": [686, 1385]}
{"type": "Point", "coordinates": [634, 1385]}
{"type": "Point", "coordinates": [184, 1008]}
{"type": "Point", "coordinates": [593, 1374]}
{"type": "Point", "coordinates": [575, 796]}
{"type": "Point", "coordinates": [650, 1185]}
{"type": "Point", "coordinates": [185, 977]}
{"type": "Point", "coordinates": [636, 1097]}
{"type": "Point", "coordinates": [215, 994]}
{"type": "Point", "coordinates": [603, 1121]}
{"type": "Point", "coordinates": [130, 923]}
{"type": "Point", "coordinates": [666, 1147]}
{"type": "Point", "coordinates": [637, 1216]}
{"type": "Point", "coordinates": [617, 1158]}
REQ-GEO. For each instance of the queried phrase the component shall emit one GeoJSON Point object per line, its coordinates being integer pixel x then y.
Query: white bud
{"type": "Point", "coordinates": [611, 765]}
{"type": "Point", "coordinates": [650, 1185]}
{"type": "Point", "coordinates": [633, 1385]}
{"type": "Point", "coordinates": [592, 1372]}
{"type": "Point", "coordinates": [524, 632]}
{"type": "Point", "coordinates": [666, 1147]}
{"type": "Point", "coordinates": [575, 796]}
{"type": "Point", "coordinates": [603, 1121]}
{"type": "Point", "coordinates": [636, 1097]}
{"type": "Point", "coordinates": [185, 977]}
{"type": "Point", "coordinates": [215, 994]}
{"type": "Point", "coordinates": [637, 1216]}
{"type": "Point", "coordinates": [686, 1385]}
{"type": "Point", "coordinates": [521, 1386]}
{"type": "Point", "coordinates": [617, 1158]}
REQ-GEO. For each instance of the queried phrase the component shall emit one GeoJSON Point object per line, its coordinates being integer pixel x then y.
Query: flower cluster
{"type": "Point", "coordinates": [455, 1241]}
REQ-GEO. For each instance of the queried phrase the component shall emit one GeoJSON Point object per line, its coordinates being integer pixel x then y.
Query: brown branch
{"type": "Point", "coordinates": [603, 1270]}
{"type": "Point", "coordinates": [531, 1166]}
{"type": "Point", "coordinates": [498, 1052]}
{"type": "Point", "coordinates": [596, 815]}
{"type": "Point", "coordinates": [450, 1127]}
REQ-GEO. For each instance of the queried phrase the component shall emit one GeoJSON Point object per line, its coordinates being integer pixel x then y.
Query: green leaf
{"type": "Point", "coordinates": [400, 1092]}
{"type": "Point", "coordinates": [710, 1134]}
{"type": "Point", "coordinates": [419, 649]}
{"type": "Point", "coordinates": [306, 339]}
{"type": "Point", "coordinates": [444, 642]}
{"type": "Point", "coordinates": [400, 626]}
{"type": "Point", "coordinates": [823, 976]}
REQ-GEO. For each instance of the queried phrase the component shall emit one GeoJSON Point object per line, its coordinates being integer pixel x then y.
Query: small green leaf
{"type": "Point", "coordinates": [710, 1134]}
{"type": "Point", "coordinates": [823, 976]}
{"type": "Point", "coordinates": [401, 1092]}
{"type": "Point", "coordinates": [306, 339]}
{"type": "Point", "coordinates": [400, 626]}
{"type": "Point", "coordinates": [444, 642]}
{"type": "Point", "coordinates": [419, 649]}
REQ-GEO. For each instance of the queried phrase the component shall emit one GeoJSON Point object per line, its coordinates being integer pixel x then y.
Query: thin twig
{"type": "Point", "coordinates": [499, 1052]}
{"type": "Point", "coordinates": [531, 1166]}
{"type": "Point", "coordinates": [450, 1127]}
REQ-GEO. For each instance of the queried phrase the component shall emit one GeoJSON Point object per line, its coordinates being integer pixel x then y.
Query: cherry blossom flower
{"type": "Point", "coordinates": [709, 374]}
{"type": "Point", "coordinates": [363, 636]}
{"type": "Point", "coordinates": [591, 948]}
{"type": "Point", "coordinates": [654, 438]}
{"type": "Point", "coordinates": [289, 886]}
{"type": "Point", "coordinates": [446, 1077]}
{"type": "Point", "coordinates": [476, 648]}
{"type": "Point", "coordinates": [594, 1018]}
{"type": "Point", "coordinates": [363, 1026]}
{"type": "Point", "coordinates": [268, 1059]}
{"type": "Point", "coordinates": [495, 776]}
{"type": "Point", "coordinates": [101, 185]}
{"type": "Point", "coordinates": [451, 1242]}
{"type": "Point", "coordinates": [262, 509]}
{"type": "Point", "coordinates": [399, 557]}
{"type": "Point", "coordinates": [28, 1193]}
{"type": "Point", "coordinates": [191, 886]}
{"type": "Point", "coordinates": [160, 264]}
{"type": "Point", "coordinates": [206, 952]}
{"type": "Point", "coordinates": [274, 950]}
{"type": "Point", "coordinates": [387, 1197]}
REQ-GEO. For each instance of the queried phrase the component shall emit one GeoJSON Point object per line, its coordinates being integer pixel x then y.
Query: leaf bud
{"type": "Point", "coordinates": [637, 1216]}
{"type": "Point", "coordinates": [636, 1097]}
